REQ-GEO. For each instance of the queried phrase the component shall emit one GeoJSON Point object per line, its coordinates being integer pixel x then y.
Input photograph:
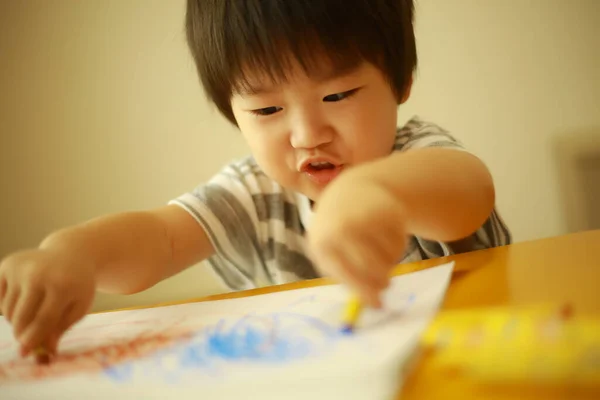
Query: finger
{"type": "Point", "coordinates": [52, 343]}
{"type": "Point", "coordinates": [369, 258]}
{"type": "Point", "coordinates": [8, 305]}
{"type": "Point", "coordinates": [44, 322]}
{"type": "Point", "coordinates": [396, 241]}
{"type": "Point", "coordinates": [358, 257]}
{"type": "Point", "coordinates": [26, 309]}
{"type": "Point", "coordinates": [329, 257]}
{"type": "Point", "coordinates": [343, 271]}
{"type": "Point", "coordinates": [389, 253]}
{"type": "Point", "coordinates": [3, 289]}
{"type": "Point", "coordinates": [73, 314]}
{"type": "Point", "coordinates": [373, 266]}
{"type": "Point", "coordinates": [42, 356]}
{"type": "Point", "coordinates": [45, 351]}
{"type": "Point", "coordinates": [391, 239]}
{"type": "Point", "coordinates": [355, 258]}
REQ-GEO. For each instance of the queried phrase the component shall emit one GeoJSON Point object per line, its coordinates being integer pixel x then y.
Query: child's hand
{"type": "Point", "coordinates": [358, 235]}
{"type": "Point", "coordinates": [43, 293]}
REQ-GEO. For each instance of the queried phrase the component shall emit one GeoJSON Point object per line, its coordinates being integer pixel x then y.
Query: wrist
{"type": "Point", "coordinates": [367, 176]}
{"type": "Point", "coordinates": [72, 243]}
{"type": "Point", "coordinates": [388, 197]}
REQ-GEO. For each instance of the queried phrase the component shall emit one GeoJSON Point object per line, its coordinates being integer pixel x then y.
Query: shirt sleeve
{"type": "Point", "coordinates": [225, 210]}
{"type": "Point", "coordinates": [418, 134]}
{"type": "Point", "coordinates": [493, 233]}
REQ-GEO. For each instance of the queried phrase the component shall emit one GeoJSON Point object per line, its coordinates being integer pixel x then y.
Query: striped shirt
{"type": "Point", "coordinates": [257, 226]}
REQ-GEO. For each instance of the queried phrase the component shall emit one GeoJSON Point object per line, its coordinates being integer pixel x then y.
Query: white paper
{"type": "Point", "coordinates": [280, 345]}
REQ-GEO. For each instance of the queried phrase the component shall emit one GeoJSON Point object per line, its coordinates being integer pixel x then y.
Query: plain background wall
{"type": "Point", "coordinates": [101, 111]}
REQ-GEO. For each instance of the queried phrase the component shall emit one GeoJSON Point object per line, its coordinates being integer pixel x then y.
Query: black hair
{"type": "Point", "coordinates": [227, 38]}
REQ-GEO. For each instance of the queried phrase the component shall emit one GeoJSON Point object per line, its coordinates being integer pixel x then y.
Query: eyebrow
{"type": "Point", "coordinates": [320, 77]}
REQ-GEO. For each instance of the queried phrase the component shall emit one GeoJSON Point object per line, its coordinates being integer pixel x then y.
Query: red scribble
{"type": "Point", "coordinates": [91, 360]}
{"type": "Point", "coordinates": [113, 324]}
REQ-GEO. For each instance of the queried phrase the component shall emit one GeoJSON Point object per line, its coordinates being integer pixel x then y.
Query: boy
{"type": "Point", "coordinates": [332, 185]}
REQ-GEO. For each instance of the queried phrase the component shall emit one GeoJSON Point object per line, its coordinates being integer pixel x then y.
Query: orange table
{"type": "Point", "coordinates": [565, 268]}
{"type": "Point", "coordinates": [559, 269]}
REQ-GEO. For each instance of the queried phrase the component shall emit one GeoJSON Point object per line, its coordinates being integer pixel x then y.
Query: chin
{"type": "Point", "coordinates": [315, 193]}
{"type": "Point", "coordinates": [311, 192]}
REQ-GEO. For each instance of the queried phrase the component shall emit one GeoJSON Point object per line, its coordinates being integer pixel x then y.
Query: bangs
{"type": "Point", "coordinates": [272, 36]}
{"type": "Point", "coordinates": [276, 63]}
{"type": "Point", "coordinates": [232, 40]}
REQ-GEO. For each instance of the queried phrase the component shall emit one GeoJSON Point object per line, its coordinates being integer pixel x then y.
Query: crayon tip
{"type": "Point", "coordinates": [43, 359]}
{"type": "Point", "coordinates": [42, 356]}
{"type": "Point", "coordinates": [347, 329]}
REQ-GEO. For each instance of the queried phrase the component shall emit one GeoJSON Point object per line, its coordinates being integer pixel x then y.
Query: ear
{"type": "Point", "coordinates": [406, 95]}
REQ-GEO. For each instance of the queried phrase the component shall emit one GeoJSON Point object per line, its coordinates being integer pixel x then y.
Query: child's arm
{"type": "Point", "coordinates": [134, 251]}
{"type": "Point", "coordinates": [46, 290]}
{"type": "Point", "coordinates": [447, 193]}
{"type": "Point", "coordinates": [362, 220]}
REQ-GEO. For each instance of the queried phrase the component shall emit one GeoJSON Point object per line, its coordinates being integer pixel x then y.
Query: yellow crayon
{"type": "Point", "coordinates": [351, 314]}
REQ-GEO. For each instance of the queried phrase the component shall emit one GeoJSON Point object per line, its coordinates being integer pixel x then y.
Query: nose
{"type": "Point", "coordinates": [310, 130]}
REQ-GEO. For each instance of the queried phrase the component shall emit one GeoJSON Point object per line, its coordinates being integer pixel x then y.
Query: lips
{"type": "Point", "coordinates": [321, 170]}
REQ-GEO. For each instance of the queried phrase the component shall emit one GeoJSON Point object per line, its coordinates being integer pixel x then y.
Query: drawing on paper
{"type": "Point", "coordinates": [276, 337]}
{"type": "Point", "coordinates": [166, 350]}
{"type": "Point", "coordinates": [85, 359]}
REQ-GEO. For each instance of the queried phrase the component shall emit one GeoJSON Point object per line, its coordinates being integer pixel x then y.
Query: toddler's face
{"type": "Point", "coordinates": [307, 130]}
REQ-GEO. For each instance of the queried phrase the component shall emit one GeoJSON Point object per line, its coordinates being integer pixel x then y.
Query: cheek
{"type": "Point", "coordinates": [374, 129]}
{"type": "Point", "coordinates": [269, 148]}
{"type": "Point", "coordinates": [266, 155]}
{"type": "Point", "coordinates": [269, 145]}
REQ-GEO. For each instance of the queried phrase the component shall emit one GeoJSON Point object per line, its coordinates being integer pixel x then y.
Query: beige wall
{"type": "Point", "coordinates": [101, 111]}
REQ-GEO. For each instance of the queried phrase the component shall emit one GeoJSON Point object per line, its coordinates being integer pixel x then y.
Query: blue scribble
{"type": "Point", "coordinates": [275, 338]}
{"type": "Point", "coordinates": [120, 373]}
{"type": "Point", "coordinates": [192, 356]}
{"type": "Point", "coordinates": [272, 338]}
{"type": "Point", "coordinates": [265, 338]}
{"type": "Point", "coordinates": [347, 330]}
{"type": "Point", "coordinates": [244, 341]}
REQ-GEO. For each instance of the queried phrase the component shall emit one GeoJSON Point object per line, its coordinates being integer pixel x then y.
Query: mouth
{"type": "Point", "coordinates": [320, 165]}
{"type": "Point", "coordinates": [321, 171]}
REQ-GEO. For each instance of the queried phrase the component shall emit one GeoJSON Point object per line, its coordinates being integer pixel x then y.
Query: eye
{"type": "Point", "coordinates": [266, 111]}
{"type": "Point", "coordinates": [340, 96]}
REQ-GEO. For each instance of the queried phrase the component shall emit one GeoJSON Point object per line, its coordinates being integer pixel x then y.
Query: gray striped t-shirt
{"type": "Point", "coordinates": [257, 227]}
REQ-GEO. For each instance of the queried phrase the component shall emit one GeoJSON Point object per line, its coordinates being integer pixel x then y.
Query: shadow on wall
{"type": "Point", "coordinates": [578, 161]}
